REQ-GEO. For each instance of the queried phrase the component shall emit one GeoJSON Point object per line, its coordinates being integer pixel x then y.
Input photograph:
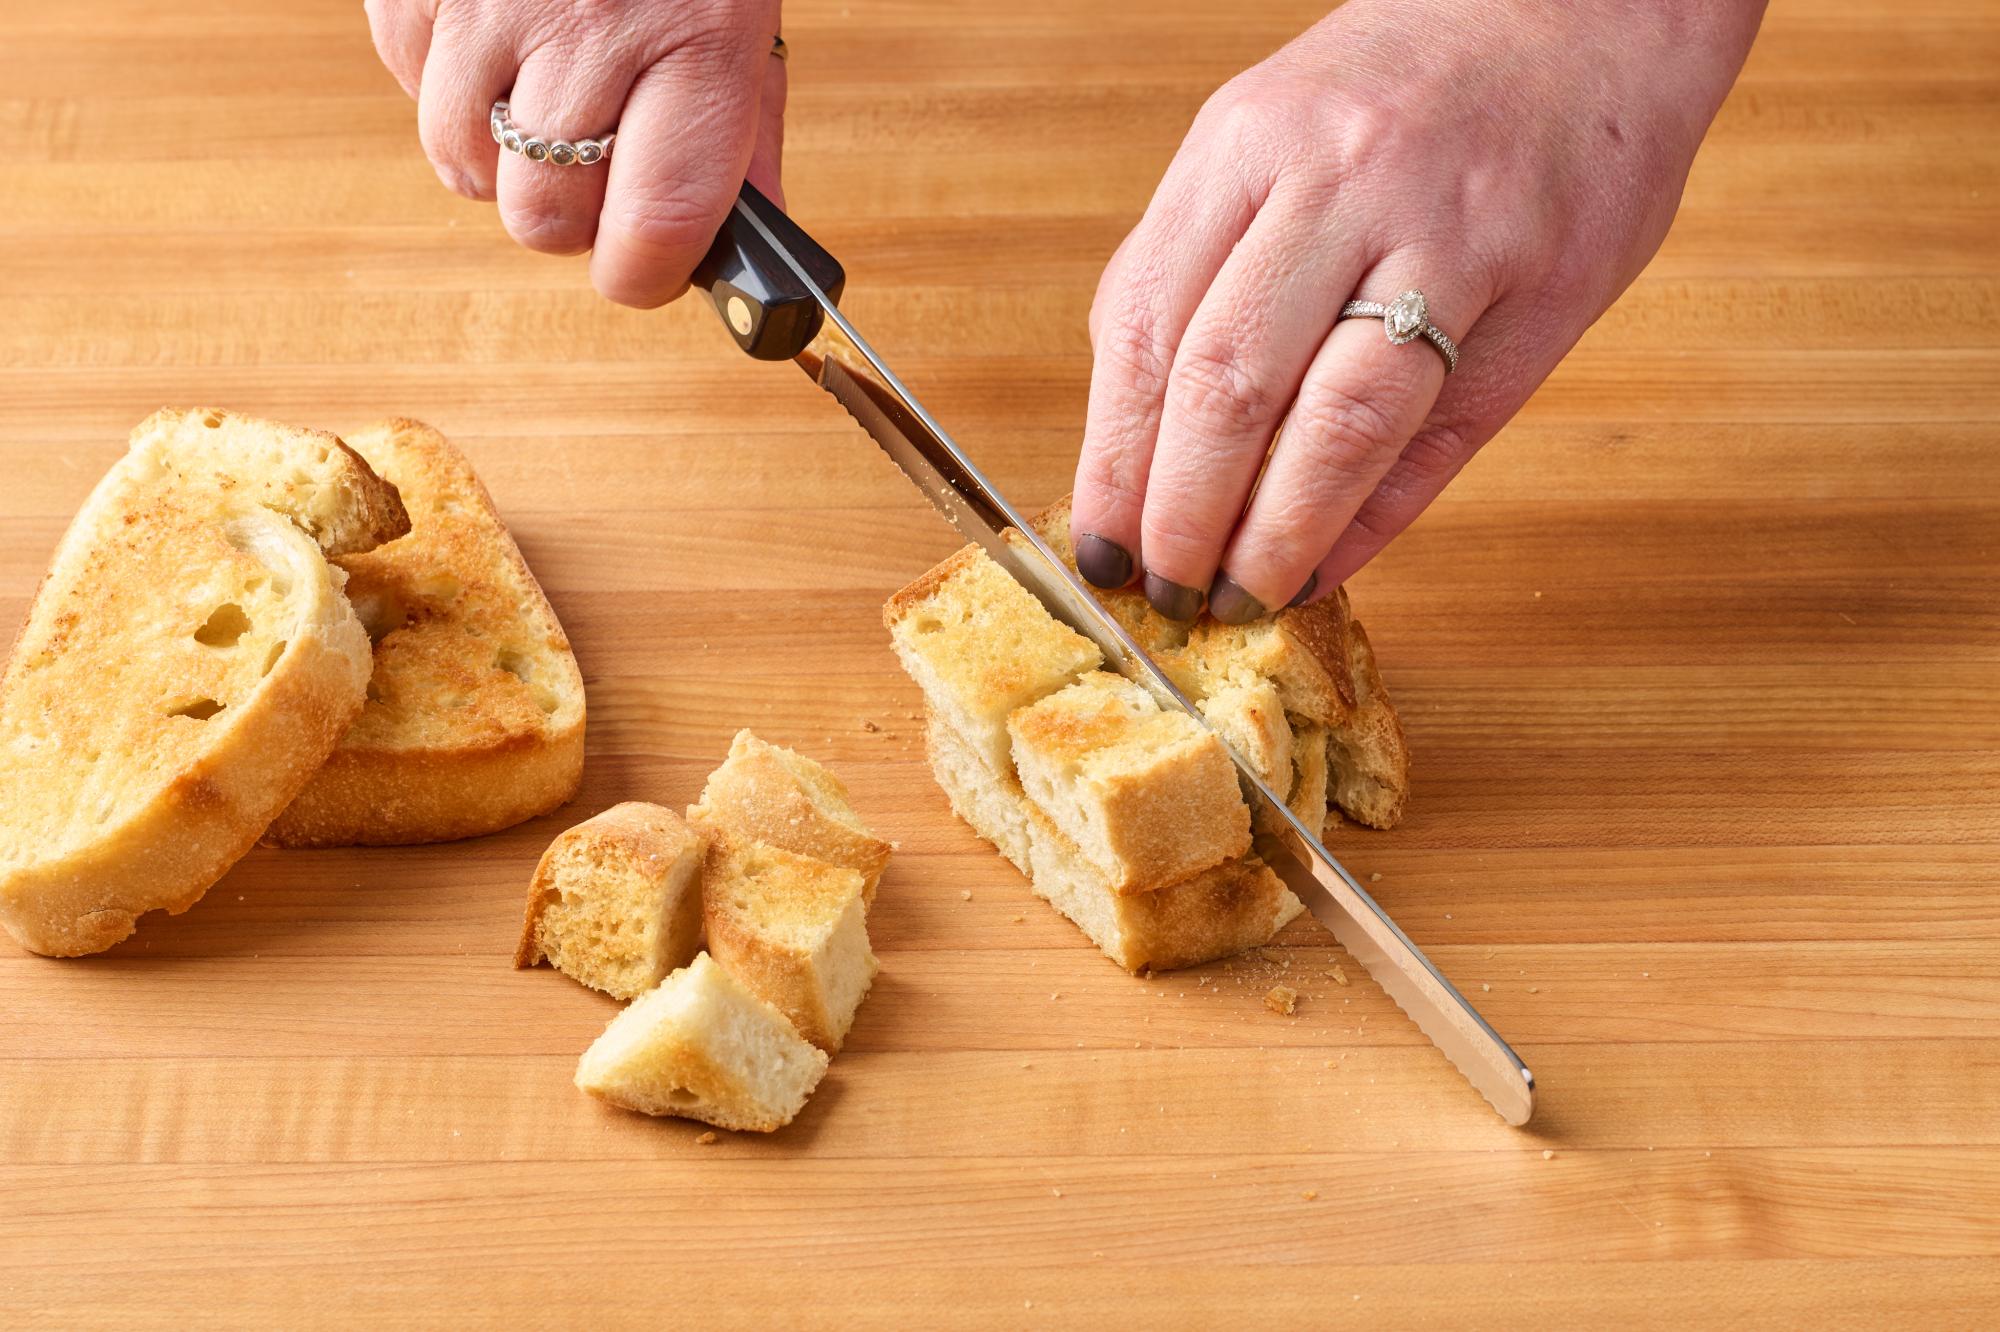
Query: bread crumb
{"type": "Point", "coordinates": [965, 896]}
{"type": "Point", "coordinates": [1548, 1155]}
{"type": "Point", "coordinates": [1019, 919]}
{"type": "Point", "coordinates": [1267, 955]}
{"type": "Point", "coordinates": [1534, 989]}
{"type": "Point", "coordinates": [1310, 1195]}
{"type": "Point", "coordinates": [1375, 878]}
{"type": "Point", "coordinates": [869, 726]}
{"type": "Point", "coordinates": [1057, 1192]}
{"type": "Point", "coordinates": [1282, 999]}
{"type": "Point", "coordinates": [1485, 987]}
{"type": "Point", "coordinates": [1538, 596]}
{"type": "Point", "coordinates": [1339, 976]}
{"type": "Point", "coordinates": [706, 1138]}
{"type": "Point", "coordinates": [1054, 995]}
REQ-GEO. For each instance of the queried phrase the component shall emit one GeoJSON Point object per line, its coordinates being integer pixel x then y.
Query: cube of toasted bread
{"type": "Point", "coordinates": [187, 665]}
{"type": "Point", "coordinates": [1212, 914]}
{"type": "Point", "coordinates": [702, 1046]}
{"type": "Point", "coordinates": [767, 793]}
{"type": "Point", "coordinates": [1301, 650]}
{"type": "Point", "coordinates": [980, 646]}
{"type": "Point", "coordinates": [1148, 796]}
{"type": "Point", "coordinates": [475, 713]}
{"type": "Point", "coordinates": [990, 802]}
{"type": "Point", "coordinates": [1369, 756]}
{"type": "Point", "coordinates": [792, 928]}
{"type": "Point", "coordinates": [1251, 717]}
{"type": "Point", "coordinates": [616, 901]}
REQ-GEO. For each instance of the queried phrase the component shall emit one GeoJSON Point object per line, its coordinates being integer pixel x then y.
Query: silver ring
{"type": "Point", "coordinates": [1406, 319]}
{"type": "Point", "coordinates": [556, 152]}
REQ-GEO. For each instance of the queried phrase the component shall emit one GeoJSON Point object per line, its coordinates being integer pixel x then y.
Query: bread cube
{"type": "Point", "coordinates": [767, 793]}
{"type": "Point", "coordinates": [793, 929]}
{"type": "Point", "coordinates": [980, 647]}
{"type": "Point", "coordinates": [1251, 717]}
{"type": "Point", "coordinates": [1148, 796]}
{"type": "Point", "coordinates": [990, 802]}
{"type": "Point", "coordinates": [701, 1046]}
{"type": "Point", "coordinates": [616, 901]}
{"type": "Point", "coordinates": [1302, 651]}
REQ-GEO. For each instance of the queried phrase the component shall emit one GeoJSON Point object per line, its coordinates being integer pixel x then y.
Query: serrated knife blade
{"type": "Point", "coordinates": [841, 362]}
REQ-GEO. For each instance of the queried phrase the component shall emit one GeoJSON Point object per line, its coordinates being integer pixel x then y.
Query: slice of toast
{"type": "Point", "coordinates": [702, 1046]}
{"type": "Point", "coordinates": [792, 928]}
{"type": "Point", "coordinates": [616, 901]}
{"type": "Point", "coordinates": [768, 793]}
{"type": "Point", "coordinates": [186, 666]}
{"type": "Point", "coordinates": [1148, 796]}
{"type": "Point", "coordinates": [1213, 914]}
{"type": "Point", "coordinates": [475, 713]}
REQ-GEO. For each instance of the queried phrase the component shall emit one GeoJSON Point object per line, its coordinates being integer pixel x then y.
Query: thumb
{"type": "Point", "coordinates": [767, 160]}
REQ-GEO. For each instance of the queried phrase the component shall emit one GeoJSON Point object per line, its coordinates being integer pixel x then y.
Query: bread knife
{"type": "Point", "coordinates": [778, 293]}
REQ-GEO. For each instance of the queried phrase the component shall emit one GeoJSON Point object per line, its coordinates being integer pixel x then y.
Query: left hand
{"type": "Point", "coordinates": [1518, 161]}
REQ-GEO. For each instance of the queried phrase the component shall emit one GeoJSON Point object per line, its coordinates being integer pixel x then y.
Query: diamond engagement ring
{"type": "Point", "coordinates": [1406, 319]}
{"type": "Point", "coordinates": [560, 152]}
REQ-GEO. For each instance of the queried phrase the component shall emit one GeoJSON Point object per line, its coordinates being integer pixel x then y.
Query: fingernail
{"type": "Point", "coordinates": [1230, 603]}
{"type": "Point", "coordinates": [1171, 599]}
{"type": "Point", "coordinates": [1102, 563]}
{"type": "Point", "coordinates": [1305, 592]}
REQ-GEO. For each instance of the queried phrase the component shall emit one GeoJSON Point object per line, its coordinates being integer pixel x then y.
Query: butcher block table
{"type": "Point", "coordinates": [1700, 663]}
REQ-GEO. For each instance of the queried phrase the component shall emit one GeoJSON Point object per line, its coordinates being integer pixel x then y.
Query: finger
{"type": "Point", "coordinates": [684, 145]}
{"type": "Point", "coordinates": [1236, 373]}
{"type": "Point", "coordinates": [564, 92]}
{"type": "Point", "coordinates": [402, 33]}
{"type": "Point", "coordinates": [1361, 402]}
{"type": "Point", "coordinates": [767, 160]}
{"type": "Point", "coordinates": [1148, 294]}
{"type": "Point", "coordinates": [465, 72]}
{"type": "Point", "coordinates": [1511, 354]}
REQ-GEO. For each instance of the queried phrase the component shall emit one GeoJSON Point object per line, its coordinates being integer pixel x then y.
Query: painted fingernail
{"type": "Point", "coordinates": [1230, 603]}
{"type": "Point", "coordinates": [1171, 599]}
{"type": "Point", "coordinates": [1305, 592]}
{"type": "Point", "coordinates": [1102, 563]}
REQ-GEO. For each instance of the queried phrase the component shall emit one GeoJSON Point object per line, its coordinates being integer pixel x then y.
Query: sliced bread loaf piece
{"type": "Point", "coordinates": [1149, 797]}
{"type": "Point", "coordinates": [701, 1046]}
{"type": "Point", "coordinates": [1302, 651]}
{"type": "Point", "coordinates": [792, 928]}
{"type": "Point", "coordinates": [475, 712]}
{"type": "Point", "coordinates": [1251, 717]}
{"type": "Point", "coordinates": [1212, 914]}
{"type": "Point", "coordinates": [1369, 756]}
{"type": "Point", "coordinates": [771, 794]}
{"type": "Point", "coordinates": [187, 664]}
{"type": "Point", "coordinates": [981, 647]}
{"type": "Point", "coordinates": [616, 900]}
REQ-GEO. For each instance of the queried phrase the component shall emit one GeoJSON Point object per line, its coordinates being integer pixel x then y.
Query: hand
{"type": "Point", "coordinates": [691, 86]}
{"type": "Point", "coordinates": [1519, 162]}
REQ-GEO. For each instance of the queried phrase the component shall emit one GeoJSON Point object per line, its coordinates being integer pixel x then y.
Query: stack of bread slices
{"type": "Point", "coordinates": [1126, 817]}
{"type": "Point", "coordinates": [774, 867]}
{"type": "Point", "coordinates": [252, 630]}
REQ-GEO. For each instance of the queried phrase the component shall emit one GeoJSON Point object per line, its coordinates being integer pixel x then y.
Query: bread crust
{"type": "Point", "coordinates": [452, 599]}
{"type": "Point", "coordinates": [780, 796]}
{"type": "Point", "coordinates": [163, 530]}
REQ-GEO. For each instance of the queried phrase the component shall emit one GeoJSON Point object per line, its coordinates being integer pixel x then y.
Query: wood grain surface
{"type": "Point", "coordinates": [1700, 663]}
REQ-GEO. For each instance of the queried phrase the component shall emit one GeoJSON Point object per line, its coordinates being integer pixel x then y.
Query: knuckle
{"type": "Point", "coordinates": [548, 230]}
{"type": "Point", "coordinates": [1129, 343]}
{"type": "Point", "coordinates": [665, 220]}
{"type": "Point", "coordinates": [1349, 434]}
{"type": "Point", "coordinates": [1216, 393]}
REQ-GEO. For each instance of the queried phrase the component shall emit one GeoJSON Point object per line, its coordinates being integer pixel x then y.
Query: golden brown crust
{"type": "Point", "coordinates": [1369, 754]}
{"type": "Point", "coordinates": [476, 717]}
{"type": "Point", "coordinates": [776, 795]}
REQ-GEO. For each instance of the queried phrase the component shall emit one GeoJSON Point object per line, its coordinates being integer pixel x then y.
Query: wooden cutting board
{"type": "Point", "coordinates": [1700, 661]}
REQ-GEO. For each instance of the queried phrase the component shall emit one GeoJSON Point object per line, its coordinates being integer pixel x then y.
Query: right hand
{"type": "Point", "coordinates": [691, 87]}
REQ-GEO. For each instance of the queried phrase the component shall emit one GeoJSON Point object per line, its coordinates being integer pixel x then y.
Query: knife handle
{"type": "Point", "coordinates": [766, 308]}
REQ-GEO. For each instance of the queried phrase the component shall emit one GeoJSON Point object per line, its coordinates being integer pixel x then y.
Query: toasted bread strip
{"type": "Point", "coordinates": [702, 1046]}
{"type": "Point", "coordinates": [475, 712]}
{"type": "Point", "coordinates": [187, 665]}
{"type": "Point", "coordinates": [616, 901]}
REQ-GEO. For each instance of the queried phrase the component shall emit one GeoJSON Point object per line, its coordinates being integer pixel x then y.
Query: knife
{"type": "Point", "coordinates": [778, 293]}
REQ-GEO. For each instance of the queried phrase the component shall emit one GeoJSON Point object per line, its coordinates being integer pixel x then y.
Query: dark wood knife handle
{"type": "Point", "coordinates": [771, 314]}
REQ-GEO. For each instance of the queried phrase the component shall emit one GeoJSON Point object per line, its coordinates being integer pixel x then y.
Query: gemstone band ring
{"type": "Point", "coordinates": [1406, 319]}
{"type": "Point", "coordinates": [558, 152]}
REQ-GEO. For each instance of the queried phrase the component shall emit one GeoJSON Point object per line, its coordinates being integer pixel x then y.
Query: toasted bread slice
{"type": "Point", "coordinates": [475, 714]}
{"type": "Point", "coordinates": [616, 900]}
{"type": "Point", "coordinates": [981, 647]}
{"type": "Point", "coordinates": [767, 793]}
{"type": "Point", "coordinates": [1148, 796]}
{"type": "Point", "coordinates": [792, 928]}
{"type": "Point", "coordinates": [702, 1046]}
{"type": "Point", "coordinates": [1369, 756]}
{"type": "Point", "coordinates": [187, 665]}
{"type": "Point", "coordinates": [1213, 914]}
